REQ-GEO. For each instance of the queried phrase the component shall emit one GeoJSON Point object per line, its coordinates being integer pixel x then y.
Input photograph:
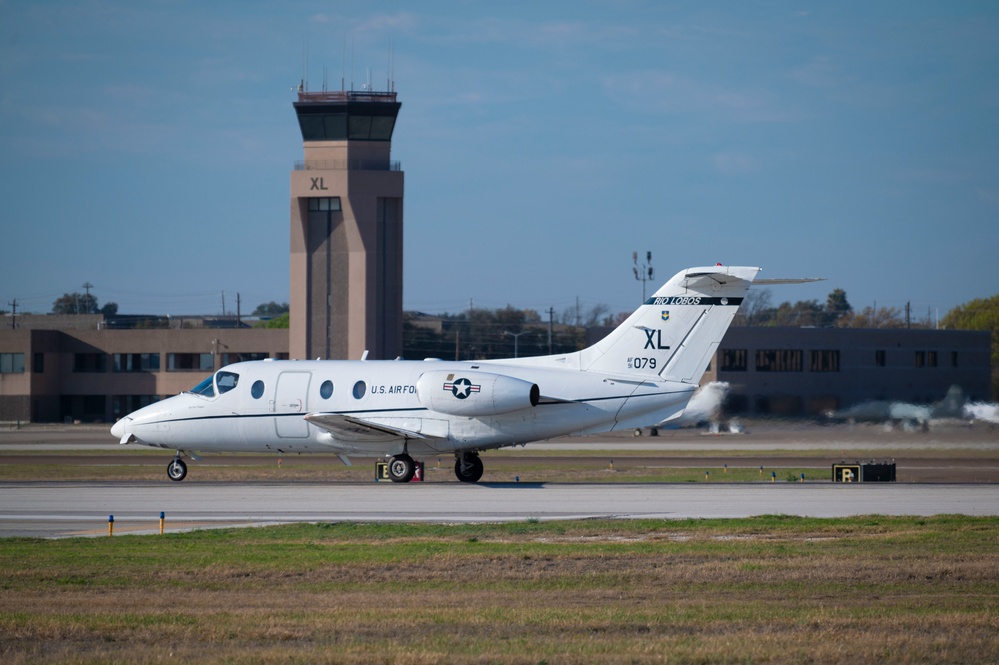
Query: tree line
{"type": "Point", "coordinates": [758, 310]}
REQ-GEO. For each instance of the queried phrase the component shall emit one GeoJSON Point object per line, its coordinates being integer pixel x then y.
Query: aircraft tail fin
{"type": "Point", "coordinates": [674, 334]}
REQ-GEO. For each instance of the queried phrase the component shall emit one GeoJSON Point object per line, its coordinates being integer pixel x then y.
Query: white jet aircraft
{"type": "Point", "coordinates": [644, 371]}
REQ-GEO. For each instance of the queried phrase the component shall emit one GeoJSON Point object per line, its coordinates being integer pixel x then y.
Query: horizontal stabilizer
{"type": "Point", "coordinates": [787, 280]}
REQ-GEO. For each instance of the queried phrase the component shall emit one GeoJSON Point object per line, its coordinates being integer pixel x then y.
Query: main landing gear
{"type": "Point", "coordinates": [401, 468]}
{"type": "Point", "coordinates": [467, 467]}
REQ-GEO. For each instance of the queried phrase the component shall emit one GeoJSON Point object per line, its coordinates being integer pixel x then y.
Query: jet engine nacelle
{"type": "Point", "coordinates": [471, 393]}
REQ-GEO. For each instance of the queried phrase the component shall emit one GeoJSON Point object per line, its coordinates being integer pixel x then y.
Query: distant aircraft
{"type": "Point", "coordinates": [704, 407]}
{"type": "Point", "coordinates": [989, 412]}
{"type": "Point", "coordinates": [908, 414]}
{"type": "Point", "coordinates": [644, 371]}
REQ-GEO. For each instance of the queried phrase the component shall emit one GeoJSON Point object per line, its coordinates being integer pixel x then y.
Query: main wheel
{"type": "Point", "coordinates": [468, 468]}
{"type": "Point", "coordinates": [176, 469]}
{"type": "Point", "coordinates": [401, 468]}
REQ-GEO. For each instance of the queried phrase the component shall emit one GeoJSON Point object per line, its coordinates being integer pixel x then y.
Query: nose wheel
{"type": "Point", "coordinates": [176, 469]}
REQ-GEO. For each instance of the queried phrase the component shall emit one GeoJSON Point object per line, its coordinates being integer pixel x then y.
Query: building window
{"type": "Point", "coordinates": [824, 361]}
{"type": "Point", "coordinates": [920, 358]}
{"type": "Point", "coordinates": [90, 362]}
{"type": "Point", "coordinates": [953, 358]}
{"type": "Point", "coordinates": [328, 204]}
{"type": "Point", "coordinates": [136, 362]}
{"type": "Point", "coordinates": [11, 363]}
{"type": "Point", "coordinates": [39, 367]}
{"type": "Point", "coordinates": [122, 405]}
{"type": "Point", "coordinates": [190, 362]}
{"type": "Point", "coordinates": [778, 360]}
{"type": "Point", "coordinates": [879, 358]}
{"type": "Point", "coordinates": [931, 358]}
{"type": "Point", "coordinates": [733, 360]}
{"type": "Point", "coordinates": [230, 358]}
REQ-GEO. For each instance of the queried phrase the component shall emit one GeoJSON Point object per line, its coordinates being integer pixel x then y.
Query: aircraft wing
{"type": "Point", "coordinates": [359, 430]}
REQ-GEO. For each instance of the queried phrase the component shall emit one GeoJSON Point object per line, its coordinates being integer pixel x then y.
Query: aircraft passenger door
{"type": "Point", "coordinates": [291, 404]}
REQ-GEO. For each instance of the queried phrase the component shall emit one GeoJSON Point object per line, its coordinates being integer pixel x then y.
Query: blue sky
{"type": "Point", "coordinates": [145, 147]}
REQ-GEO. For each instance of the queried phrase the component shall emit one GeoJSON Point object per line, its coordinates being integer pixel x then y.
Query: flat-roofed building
{"type": "Point", "coordinates": [100, 375]}
{"type": "Point", "coordinates": [807, 371]}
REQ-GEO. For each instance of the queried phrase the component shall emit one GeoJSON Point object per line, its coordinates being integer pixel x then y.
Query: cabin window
{"type": "Point", "coordinates": [326, 390]}
{"type": "Point", "coordinates": [226, 381]}
{"type": "Point", "coordinates": [257, 389]}
{"type": "Point", "coordinates": [359, 389]}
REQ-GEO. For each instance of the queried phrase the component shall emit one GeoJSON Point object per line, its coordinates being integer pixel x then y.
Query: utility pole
{"type": "Point", "coordinates": [643, 273]}
{"type": "Point", "coordinates": [551, 325]}
{"type": "Point", "coordinates": [13, 314]}
{"type": "Point", "coordinates": [86, 286]}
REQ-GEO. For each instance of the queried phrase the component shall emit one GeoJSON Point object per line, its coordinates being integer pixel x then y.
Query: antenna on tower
{"type": "Point", "coordinates": [305, 64]}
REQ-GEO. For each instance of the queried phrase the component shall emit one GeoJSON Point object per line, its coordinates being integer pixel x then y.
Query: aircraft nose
{"type": "Point", "coordinates": [118, 429]}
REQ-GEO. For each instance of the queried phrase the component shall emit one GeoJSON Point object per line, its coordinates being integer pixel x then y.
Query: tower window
{"type": "Point", "coordinates": [327, 204]}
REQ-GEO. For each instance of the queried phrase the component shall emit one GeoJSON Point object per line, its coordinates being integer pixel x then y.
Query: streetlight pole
{"type": "Point", "coordinates": [516, 338]}
{"type": "Point", "coordinates": [645, 272]}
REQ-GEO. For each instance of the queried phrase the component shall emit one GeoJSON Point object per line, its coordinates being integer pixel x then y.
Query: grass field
{"type": "Point", "coordinates": [765, 590]}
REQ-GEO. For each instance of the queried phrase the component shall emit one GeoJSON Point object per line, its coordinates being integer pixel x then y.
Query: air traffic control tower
{"type": "Point", "coordinates": [346, 228]}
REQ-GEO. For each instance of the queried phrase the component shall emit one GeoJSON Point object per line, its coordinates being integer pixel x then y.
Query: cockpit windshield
{"type": "Point", "coordinates": [205, 388]}
{"type": "Point", "coordinates": [225, 381]}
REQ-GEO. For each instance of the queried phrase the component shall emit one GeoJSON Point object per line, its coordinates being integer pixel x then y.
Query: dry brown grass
{"type": "Point", "coordinates": [760, 591]}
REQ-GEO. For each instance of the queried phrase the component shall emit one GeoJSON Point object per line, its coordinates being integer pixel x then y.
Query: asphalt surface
{"type": "Point", "coordinates": [953, 470]}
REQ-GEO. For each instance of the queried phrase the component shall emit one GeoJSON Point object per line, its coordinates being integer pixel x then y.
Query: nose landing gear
{"type": "Point", "coordinates": [176, 469]}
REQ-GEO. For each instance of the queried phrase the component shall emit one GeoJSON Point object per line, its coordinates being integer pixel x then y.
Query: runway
{"type": "Point", "coordinates": [82, 509]}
